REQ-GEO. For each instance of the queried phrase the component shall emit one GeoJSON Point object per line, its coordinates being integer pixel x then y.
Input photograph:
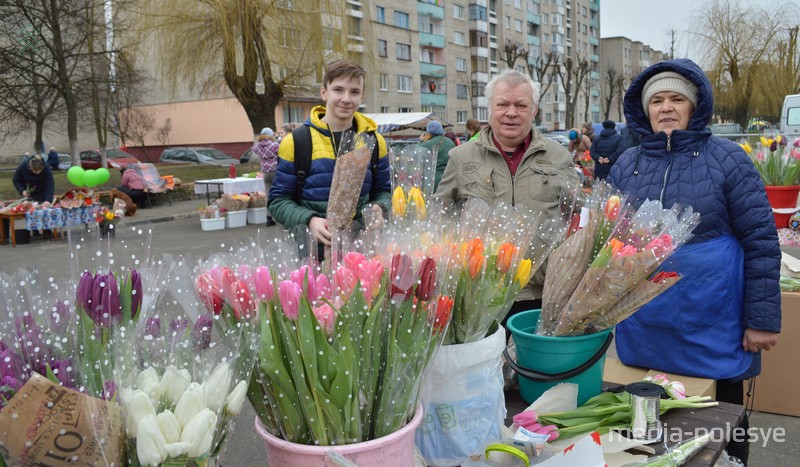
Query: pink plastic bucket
{"type": "Point", "coordinates": [395, 450]}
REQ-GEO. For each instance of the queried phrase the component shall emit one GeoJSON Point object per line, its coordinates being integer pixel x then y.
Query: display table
{"type": "Point", "coordinates": [721, 419]}
{"type": "Point", "coordinates": [229, 186]}
{"type": "Point", "coordinates": [46, 219]}
{"type": "Point", "coordinates": [9, 218]}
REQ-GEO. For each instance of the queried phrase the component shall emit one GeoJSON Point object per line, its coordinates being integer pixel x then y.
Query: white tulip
{"type": "Point", "coordinates": [149, 383]}
{"type": "Point", "coordinates": [192, 401]}
{"type": "Point", "coordinates": [137, 406]}
{"type": "Point", "coordinates": [216, 387]}
{"type": "Point", "coordinates": [200, 432]}
{"type": "Point", "coordinates": [151, 448]}
{"type": "Point", "coordinates": [173, 384]}
{"type": "Point", "coordinates": [175, 450]}
{"type": "Point", "coordinates": [235, 400]}
{"type": "Point", "coordinates": [170, 427]}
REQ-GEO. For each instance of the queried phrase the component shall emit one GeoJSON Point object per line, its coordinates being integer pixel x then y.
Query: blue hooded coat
{"type": "Point", "coordinates": [730, 268]}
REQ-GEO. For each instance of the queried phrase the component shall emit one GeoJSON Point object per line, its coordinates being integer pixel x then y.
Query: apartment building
{"type": "Point", "coordinates": [625, 59]}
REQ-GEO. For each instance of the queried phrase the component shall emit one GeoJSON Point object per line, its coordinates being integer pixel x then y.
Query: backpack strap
{"type": "Point", "coordinates": [302, 159]}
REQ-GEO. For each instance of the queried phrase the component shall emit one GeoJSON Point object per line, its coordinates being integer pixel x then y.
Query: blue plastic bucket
{"type": "Point", "coordinates": [544, 361]}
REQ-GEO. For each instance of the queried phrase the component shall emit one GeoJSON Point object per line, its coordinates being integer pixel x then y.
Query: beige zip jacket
{"type": "Point", "coordinates": [477, 169]}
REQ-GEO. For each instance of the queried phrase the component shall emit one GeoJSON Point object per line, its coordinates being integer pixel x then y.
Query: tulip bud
{"type": "Point", "coordinates": [402, 278]}
{"type": "Point", "coordinates": [443, 308]}
{"type": "Point", "coordinates": [505, 256]}
{"type": "Point", "coordinates": [289, 294]}
{"type": "Point", "coordinates": [209, 293]}
{"type": "Point", "coordinates": [191, 402]}
{"type": "Point", "coordinates": [84, 294]}
{"type": "Point", "coordinates": [265, 288]}
{"type": "Point", "coordinates": [676, 390]}
{"type": "Point", "coordinates": [169, 426]}
{"type": "Point", "coordinates": [137, 406]}
{"type": "Point", "coordinates": [417, 200]}
{"type": "Point", "coordinates": [612, 208]}
{"type": "Point", "coordinates": [201, 332]}
{"type": "Point", "coordinates": [151, 447]}
{"type": "Point", "coordinates": [326, 316]}
{"type": "Point", "coordinates": [476, 263]}
{"type": "Point", "coordinates": [427, 279]}
{"type": "Point", "coordinates": [216, 387]}
{"type": "Point", "coordinates": [152, 327]}
{"type": "Point", "coordinates": [235, 400]}
{"type": "Point", "coordinates": [398, 202]}
{"type": "Point", "coordinates": [136, 292]}
{"type": "Point", "coordinates": [243, 306]}
{"type": "Point", "coordinates": [173, 384]}
{"type": "Point", "coordinates": [199, 432]}
{"type": "Point", "coordinates": [523, 274]}
{"type": "Point", "coordinates": [149, 382]}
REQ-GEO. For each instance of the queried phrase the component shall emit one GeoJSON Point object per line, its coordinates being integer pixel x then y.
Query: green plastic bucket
{"type": "Point", "coordinates": [544, 361]}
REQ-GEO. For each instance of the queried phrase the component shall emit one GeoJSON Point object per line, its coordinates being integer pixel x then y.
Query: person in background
{"type": "Point", "coordinates": [473, 128]}
{"type": "Point", "coordinates": [511, 162]}
{"type": "Point", "coordinates": [628, 138]}
{"type": "Point", "coordinates": [604, 149]}
{"type": "Point", "coordinates": [266, 148]}
{"type": "Point", "coordinates": [343, 93]}
{"type": "Point", "coordinates": [52, 159]}
{"type": "Point", "coordinates": [726, 308]}
{"type": "Point", "coordinates": [34, 180]}
{"type": "Point", "coordinates": [588, 130]}
{"type": "Point", "coordinates": [284, 130]}
{"type": "Point", "coordinates": [434, 140]}
{"type": "Point", "coordinates": [452, 137]}
{"type": "Point", "coordinates": [132, 184]}
{"type": "Point", "coordinates": [579, 143]}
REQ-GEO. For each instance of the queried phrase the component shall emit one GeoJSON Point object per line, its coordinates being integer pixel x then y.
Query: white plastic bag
{"type": "Point", "coordinates": [463, 402]}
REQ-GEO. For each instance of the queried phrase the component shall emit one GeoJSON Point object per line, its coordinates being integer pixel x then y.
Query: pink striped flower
{"type": "Point", "coordinates": [265, 288]}
{"type": "Point", "coordinates": [289, 294]}
{"type": "Point", "coordinates": [326, 316]}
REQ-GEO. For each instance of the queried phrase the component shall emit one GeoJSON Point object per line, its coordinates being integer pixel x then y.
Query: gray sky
{"type": "Point", "coordinates": [649, 21]}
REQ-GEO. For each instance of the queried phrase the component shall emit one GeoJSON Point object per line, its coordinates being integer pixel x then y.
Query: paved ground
{"type": "Point", "coordinates": [177, 230]}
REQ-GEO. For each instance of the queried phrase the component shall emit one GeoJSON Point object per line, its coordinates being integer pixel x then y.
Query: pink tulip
{"type": "Point", "coordinates": [246, 274]}
{"type": "Point", "coordinates": [326, 317]}
{"type": "Point", "coordinates": [209, 293]}
{"type": "Point", "coordinates": [344, 281]}
{"type": "Point", "coordinates": [323, 287]}
{"type": "Point", "coordinates": [289, 294]}
{"type": "Point", "coordinates": [370, 276]}
{"type": "Point", "coordinates": [265, 289]}
{"type": "Point", "coordinates": [627, 250]}
{"type": "Point", "coordinates": [227, 281]}
{"type": "Point", "coordinates": [300, 276]}
{"type": "Point", "coordinates": [676, 390]}
{"type": "Point", "coordinates": [216, 274]}
{"type": "Point", "coordinates": [244, 307]}
{"type": "Point", "coordinates": [354, 261]}
{"type": "Point", "coordinates": [661, 245]}
{"type": "Point", "coordinates": [525, 418]}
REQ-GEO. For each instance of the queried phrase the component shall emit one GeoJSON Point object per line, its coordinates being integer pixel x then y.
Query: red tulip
{"type": "Point", "coordinates": [402, 277]}
{"type": "Point", "coordinates": [427, 279]}
{"type": "Point", "coordinates": [244, 307]}
{"type": "Point", "coordinates": [443, 308]}
{"type": "Point", "coordinates": [209, 293]}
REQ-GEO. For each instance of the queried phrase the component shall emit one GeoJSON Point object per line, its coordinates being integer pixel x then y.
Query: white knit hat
{"type": "Point", "coordinates": [668, 81]}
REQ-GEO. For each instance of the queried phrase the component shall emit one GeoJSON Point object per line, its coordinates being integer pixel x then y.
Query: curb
{"type": "Point", "coordinates": [172, 217]}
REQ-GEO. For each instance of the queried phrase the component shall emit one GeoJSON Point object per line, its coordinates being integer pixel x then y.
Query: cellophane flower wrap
{"type": "Point", "coordinates": [352, 163]}
{"type": "Point", "coordinates": [777, 161]}
{"type": "Point", "coordinates": [342, 351]}
{"type": "Point", "coordinates": [182, 372]}
{"type": "Point", "coordinates": [497, 250]}
{"type": "Point", "coordinates": [606, 269]}
{"type": "Point", "coordinates": [413, 172]}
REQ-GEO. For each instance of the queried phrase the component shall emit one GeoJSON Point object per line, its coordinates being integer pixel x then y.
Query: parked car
{"type": "Point", "coordinates": [731, 131]}
{"type": "Point", "coordinates": [557, 137]}
{"type": "Point", "coordinates": [208, 156]}
{"type": "Point", "coordinates": [116, 158]}
{"type": "Point", "coordinates": [64, 160]}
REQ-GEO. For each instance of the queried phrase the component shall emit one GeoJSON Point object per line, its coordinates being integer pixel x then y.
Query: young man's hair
{"type": "Point", "coordinates": [36, 164]}
{"type": "Point", "coordinates": [343, 68]}
{"type": "Point", "coordinates": [473, 125]}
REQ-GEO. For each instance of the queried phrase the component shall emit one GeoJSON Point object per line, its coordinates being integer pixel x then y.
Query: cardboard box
{"type": "Point", "coordinates": [617, 372]}
{"type": "Point", "coordinates": [776, 388]}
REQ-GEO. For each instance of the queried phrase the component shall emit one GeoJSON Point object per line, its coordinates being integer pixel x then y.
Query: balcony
{"type": "Point", "coordinates": [594, 41]}
{"type": "Point", "coordinates": [433, 98]}
{"type": "Point", "coordinates": [432, 69]}
{"type": "Point", "coordinates": [594, 5]}
{"type": "Point", "coordinates": [593, 23]}
{"type": "Point", "coordinates": [594, 75]}
{"type": "Point", "coordinates": [534, 40]}
{"type": "Point", "coordinates": [430, 9]}
{"type": "Point", "coordinates": [595, 58]}
{"type": "Point", "coordinates": [431, 40]}
{"type": "Point", "coordinates": [533, 18]}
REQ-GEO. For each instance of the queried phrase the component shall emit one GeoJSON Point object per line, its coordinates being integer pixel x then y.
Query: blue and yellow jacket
{"type": "Point", "coordinates": [313, 201]}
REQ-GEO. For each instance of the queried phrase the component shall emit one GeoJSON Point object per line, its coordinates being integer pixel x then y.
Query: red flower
{"type": "Point", "coordinates": [427, 279]}
{"type": "Point", "coordinates": [443, 308]}
{"type": "Point", "coordinates": [209, 293]}
{"type": "Point", "coordinates": [402, 277]}
{"type": "Point", "coordinates": [505, 255]}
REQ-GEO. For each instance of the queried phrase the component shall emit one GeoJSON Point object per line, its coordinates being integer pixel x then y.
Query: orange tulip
{"type": "Point", "coordinates": [476, 263]}
{"type": "Point", "coordinates": [505, 255]}
{"type": "Point", "coordinates": [474, 246]}
{"type": "Point", "coordinates": [443, 308]}
{"type": "Point", "coordinates": [612, 208]}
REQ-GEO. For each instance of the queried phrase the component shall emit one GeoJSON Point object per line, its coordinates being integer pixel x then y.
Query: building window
{"type": "Point", "coordinates": [403, 83]}
{"type": "Point", "coordinates": [477, 38]}
{"type": "Point", "coordinates": [290, 38]}
{"type": "Point", "coordinates": [478, 89]}
{"type": "Point", "coordinates": [380, 15]}
{"type": "Point", "coordinates": [461, 116]}
{"type": "Point", "coordinates": [477, 13]}
{"type": "Point", "coordinates": [382, 52]}
{"type": "Point", "coordinates": [482, 113]}
{"type": "Point", "coordinates": [405, 110]}
{"type": "Point", "coordinates": [462, 91]}
{"type": "Point", "coordinates": [384, 109]}
{"type": "Point", "coordinates": [384, 82]}
{"type": "Point", "coordinates": [458, 11]}
{"type": "Point", "coordinates": [480, 64]}
{"type": "Point", "coordinates": [355, 27]}
{"type": "Point", "coordinates": [458, 37]}
{"type": "Point", "coordinates": [507, 22]}
{"type": "Point", "coordinates": [461, 64]}
{"type": "Point", "coordinates": [518, 4]}
{"type": "Point", "coordinates": [403, 51]}
{"type": "Point", "coordinates": [293, 114]}
{"type": "Point", "coordinates": [518, 25]}
{"type": "Point", "coordinates": [401, 19]}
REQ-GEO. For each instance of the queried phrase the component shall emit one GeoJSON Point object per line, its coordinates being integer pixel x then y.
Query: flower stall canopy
{"type": "Point", "coordinates": [388, 122]}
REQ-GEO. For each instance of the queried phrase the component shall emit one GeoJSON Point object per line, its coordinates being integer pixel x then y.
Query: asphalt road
{"type": "Point", "coordinates": [177, 231]}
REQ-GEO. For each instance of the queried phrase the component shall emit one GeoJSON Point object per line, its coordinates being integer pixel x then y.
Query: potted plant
{"type": "Point", "coordinates": [780, 171]}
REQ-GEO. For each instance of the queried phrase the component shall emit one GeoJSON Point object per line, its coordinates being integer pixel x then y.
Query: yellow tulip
{"type": "Point", "coordinates": [110, 215]}
{"type": "Point", "coordinates": [747, 148]}
{"type": "Point", "coordinates": [417, 199]}
{"type": "Point", "coordinates": [399, 202]}
{"type": "Point", "coordinates": [766, 142]}
{"type": "Point", "coordinates": [523, 273]}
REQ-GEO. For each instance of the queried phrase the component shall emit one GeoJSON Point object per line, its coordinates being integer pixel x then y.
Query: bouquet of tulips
{"type": "Point", "coordinates": [342, 345]}
{"type": "Point", "coordinates": [607, 268]}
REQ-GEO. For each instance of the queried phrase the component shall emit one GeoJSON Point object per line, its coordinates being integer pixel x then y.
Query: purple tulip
{"type": "Point", "coordinates": [153, 327]}
{"type": "Point", "coordinates": [105, 306]}
{"type": "Point", "coordinates": [14, 383]}
{"type": "Point", "coordinates": [177, 326]}
{"type": "Point", "coordinates": [59, 317]}
{"type": "Point", "coordinates": [11, 364]}
{"type": "Point", "coordinates": [201, 332]}
{"type": "Point", "coordinates": [24, 323]}
{"type": "Point", "coordinates": [64, 372]}
{"type": "Point", "coordinates": [136, 292]}
{"type": "Point", "coordinates": [85, 290]}
{"type": "Point", "coordinates": [3, 346]}
{"type": "Point", "coordinates": [34, 350]}
{"type": "Point", "coordinates": [109, 390]}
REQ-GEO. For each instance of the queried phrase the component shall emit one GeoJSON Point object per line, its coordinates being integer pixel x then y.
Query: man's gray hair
{"type": "Point", "coordinates": [513, 78]}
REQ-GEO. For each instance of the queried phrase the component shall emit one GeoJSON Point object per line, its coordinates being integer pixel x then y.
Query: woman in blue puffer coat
{"type": "Point", "coordinates": [726, 308]}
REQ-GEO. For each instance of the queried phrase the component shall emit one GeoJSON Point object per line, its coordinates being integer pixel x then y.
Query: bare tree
{"type": "Point", "coordinates": [572, 73]}
{"type": "Point", "coordinates": [137, 123]}
{"type": "Point", "coordinates": [162, 132]}
{"type": "Point", "coordinates": [673, 40]}
{"type": "Point", "coordinates": [587, 96]}
{"type": "Point", "coordinates": [248, 44]}
{"type": "Point", "coordinates": [513, 51]}
{"type": "Point", "coordinates": [540, 69]}
{"type": "Point", "coordinates": [621, 86]}
{"type": "Point", "coordinates": [611, 85]}
{"type": "Point", "coordinates": [737, 42]}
